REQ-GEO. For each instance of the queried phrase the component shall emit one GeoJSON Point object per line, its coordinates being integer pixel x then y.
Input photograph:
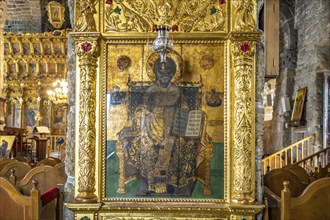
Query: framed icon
{"type": "Point", "coordinates": [298, 105]}
{"type": "Point", "coordinates": [6, 143]}
{"type": "Point", "coordinates": [26, 48]}
{"type": "Point", "coordinates": [36, 48]}
{"type": "Point", "coordinates": [55, 14]}
{"type": "Point", "coordinates": [16, 48]}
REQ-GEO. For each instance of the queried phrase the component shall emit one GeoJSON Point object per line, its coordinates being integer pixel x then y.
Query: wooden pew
{"type": "Point", "coordinates": [4, 162]}
{"type": "Point", "coordinates": [300, 172]}
{"type": "Point", "coordinates": [15, 206]}
{"type": "Point", "coordinates": [60, 167]}
{"type": "Point", "coordinates": [46, 176]}
{"type": "Point", "coordinates": [22, 159]}
{"type": "Point", "coordinates": [273, 185]}
{"type": "Point", "coordinates": [50, 161]}
{"type": "Point", "coordinates": [49, 179]}
{"type": "Point", "coordinates": [312, 204]}
{"type": "Point", "coordinates": [20, 169]}
{"type": "Point", "coordinates": [273, 181]}
{"type": "Point", "coordinates": [322, 172]}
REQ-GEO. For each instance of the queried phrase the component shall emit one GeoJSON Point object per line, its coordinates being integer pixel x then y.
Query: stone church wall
{"type": "Point", "coordinates": [304, 54]}
{"type": "Point", "coordinates": [31, 16]}
{"type": "Point", "coordinates": [23, 16]}
{"type": "Point", "coordinates": [311, 21]}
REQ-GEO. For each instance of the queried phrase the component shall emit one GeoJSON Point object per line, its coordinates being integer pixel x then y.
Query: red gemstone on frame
{"type": "Point", "coordinates": [86, 47]}
{"type": "Point", "coordinates": [109, 2]}
{"type": "Point", "coordinates": [245, 47]}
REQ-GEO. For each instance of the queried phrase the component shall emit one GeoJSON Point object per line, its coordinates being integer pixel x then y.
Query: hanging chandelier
{"type": "Point", "coordinates": [163, 44]}
{"type": "Point", "coordinates": [59, 93]}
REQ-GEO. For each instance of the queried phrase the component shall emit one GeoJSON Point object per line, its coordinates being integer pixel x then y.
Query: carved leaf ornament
{"type": "Point", "coordinates": [183, 16]}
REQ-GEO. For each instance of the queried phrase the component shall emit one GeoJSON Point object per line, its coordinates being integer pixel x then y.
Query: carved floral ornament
{"type": "Point", "coordinates": [182, 16]}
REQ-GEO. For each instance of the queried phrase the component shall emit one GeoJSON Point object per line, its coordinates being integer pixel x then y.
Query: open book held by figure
{"type": "Point", "coordinates": [188, 123]}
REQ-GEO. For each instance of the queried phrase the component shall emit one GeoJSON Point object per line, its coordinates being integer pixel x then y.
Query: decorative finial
{"type": "Point", "coordinates": [286, 186]}
{"type": "Point", "coordinates": [35, 184]}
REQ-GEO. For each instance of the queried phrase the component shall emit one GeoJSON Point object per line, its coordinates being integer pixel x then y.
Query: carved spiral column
{"type": "Point", "coordinates": [88, 51]}
{"type": "Point", "coordinates": [244, 120]}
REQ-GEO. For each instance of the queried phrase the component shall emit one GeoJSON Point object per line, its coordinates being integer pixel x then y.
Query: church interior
{"type": "Point", "coordinates": [165, 109]}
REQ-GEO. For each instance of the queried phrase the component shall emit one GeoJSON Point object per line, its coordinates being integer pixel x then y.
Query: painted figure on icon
{"type": "Point", "coordinates": [165, 162]}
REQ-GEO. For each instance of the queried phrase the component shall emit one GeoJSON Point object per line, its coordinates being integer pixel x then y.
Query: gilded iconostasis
{"type": "Point", "coordinates": [165, 108]}
{"type": "Point", "coordinates": [33, 62]}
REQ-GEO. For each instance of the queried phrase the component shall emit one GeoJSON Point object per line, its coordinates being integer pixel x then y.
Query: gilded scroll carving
{"type": "Point", "coordinates": [88, 52]}
{"type": "Point", "coordinates": [85, 15]}
{"type": "Point", "coordinates": [244, 19]}
{"type": "Point", "coordinates": [187, 16]}
{"type": "Point", "coordinates": [243, 55]}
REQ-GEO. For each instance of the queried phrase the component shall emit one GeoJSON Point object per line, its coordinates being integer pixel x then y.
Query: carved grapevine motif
{"type": "Point", "coordinates": [243, 136]}
{"type": "Point", "coordinates": [88, 52]}
{"type": "Point", "coordinates": [188, 16]}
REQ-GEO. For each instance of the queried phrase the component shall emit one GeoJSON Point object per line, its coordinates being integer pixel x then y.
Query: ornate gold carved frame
{"type": "Point", "coordinates": [117, 22]}
{"type": "Point", "coordinates": [55, 14]}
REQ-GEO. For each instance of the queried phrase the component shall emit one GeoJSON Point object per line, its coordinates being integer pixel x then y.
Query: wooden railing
{"type": "Point", "coordinates": [318, 158]}
{"type": "Point", "coordinates": [289, 155]}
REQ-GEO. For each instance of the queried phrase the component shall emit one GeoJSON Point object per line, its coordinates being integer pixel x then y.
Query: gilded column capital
{"type": "Point", "coordinates": [88, 51]}
{"type": "Point", "coordinates": [87, 45]}
{"type": "Point", "coordinates": [245, 36]}
{"type": "Point", "coordinates": [243, 54]}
